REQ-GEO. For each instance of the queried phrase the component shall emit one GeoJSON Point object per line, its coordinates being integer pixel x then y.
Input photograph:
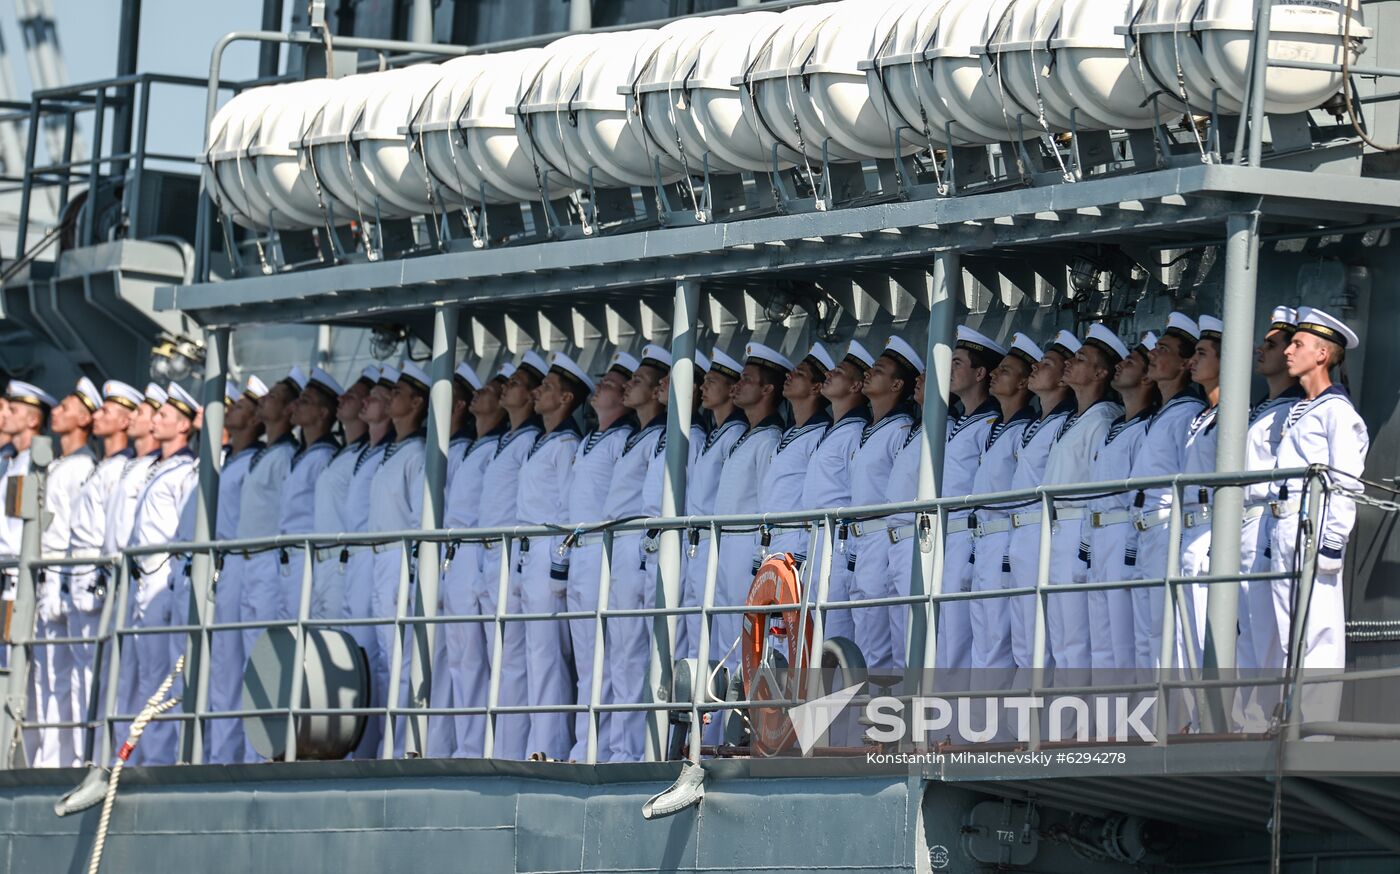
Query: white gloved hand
{"type": "Point", "coordinates": [1328, 566]}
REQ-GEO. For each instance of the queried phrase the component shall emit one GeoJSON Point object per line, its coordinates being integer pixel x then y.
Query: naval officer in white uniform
{"type": "Point", "coordinates": [314, 413]}
{"type": "Point", "coordinates": [1199, 457]}
{"type": "Point", "coordinates": [332, 493]}
{"type": "Point", "coordinates": [783, 479]}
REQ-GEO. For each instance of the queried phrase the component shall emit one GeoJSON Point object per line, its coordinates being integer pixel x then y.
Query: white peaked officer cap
{"type": "Point", "coordinates": [1211, 328]}
{"type": "Point", "coordinates": [859, 355]}
{"type": "Point", "coordinates": [535, 363]}
{"type": "Point", "coordinates": [120, 393]}
{"type": "Point", "coordinates": [702, 362]}
{"type": "Point", "coordinates": [155, 395]}
{"type": "Point", "coordinates": [388, 376]}
{"type": "Point", "coordinates": [724, 364]}
{"type": "Point", "coordinates": [767, 357]}
{"type": "Point", "coordinates": [467, 375]}
{"type": "Point", "coordinates": [820, 359]}
{"type": "Point", "coordinates": [1101, 338]}
{"type": "Point", "coordinates": [297, 377]}
{"type": "Point", "coordinates": [182, 400]}
{"type": "Point", "coordinates": [370, 374]}
{"type": "Point", "coordinates": [31, 394]}
{"type": "Point", "coordinates": [1148, 341]}
{"type": "Point", "coordinates": [902, 350]}
{"type": "Point", "coordinates": [1327, 326]}
{"type": "Point", "coordinates": [976, 341]}
{"type": "Point", "coordinates": [625, 363]}
{"type": "Point", "coordinates": [1064, 343]}
{"type": "Point", "coordinates": [1284, 319]}
{"type": "Point", "coordinates": [413, 375]}
{"type": "Point", "coordinates": [255, 388]}
{"type": "Point", "coordinates": [321, 379]}
{"type": "Point", "coordinates": [1183, 327]}
{"type": "Point", "coordinates": [568, 367]}
{"type": "Point", "coordinates": [657, 357]}
{"type": "Point", "coordinates": [1026, 349]}
{"type": "Point", "coordinates": [87, 392]}
{"type": "Point", "coordinates": [232, 393]}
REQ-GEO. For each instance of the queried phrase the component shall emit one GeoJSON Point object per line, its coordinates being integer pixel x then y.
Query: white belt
{"type": "Point", "coordinates": [326, 552]}
{"type": "Point", "coordinates": [994, 526]}
{"type": "Point", "coordinates": [1068, 514]}
{"type": "Point", "coordinates": [959, 525]}
{"type": "Point", "coordinates": [1105, 518]}
{"type": "Point", "coordinates": [1254, 511]}
{"type": "Point", "coordinates": [900, 532]}
{"type": "Point", "coordinates": [583, 540]}
{"type": "Point", "coordinates": [1196, 518]}
{"type": "Point", "coordinates": [1282, 509]}
{"type": "Point", "coordinates": [1151, 518]}
{"type": "Point", "coordinates": [860, 529]}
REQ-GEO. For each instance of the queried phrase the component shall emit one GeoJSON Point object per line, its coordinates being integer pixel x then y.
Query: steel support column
{"type": "Point", "coordinates": [1231, 425]}
{"type": "Point", "coordinates": [201, 606]}
{"type": "Point", "coordinates": [420, 676]}
{"type": "Point", "coordinates": [668, 580]}
{"type": "Point", "coordinates": [22, 617]}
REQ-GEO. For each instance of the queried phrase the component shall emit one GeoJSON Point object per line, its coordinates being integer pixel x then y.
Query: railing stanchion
{"type": "Point", "coordinates": [396, 649]}
{"type": "Point", "coordinates": [600, 650]}
{"type": "Point", "coordinates": [1042, 584]}
{"type": "Point", "coordinates": [498, 647]}
{"type": "Point", "coordinates": [1166, 655]}
{"type": "Point", "coordinates": [1298, 628]}
{"type": "Point", "coordinates": [122, 592]}
{"type": "Point", "coordinates": [308, 569]}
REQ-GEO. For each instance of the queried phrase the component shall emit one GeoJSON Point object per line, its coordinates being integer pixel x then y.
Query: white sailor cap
{"type": "Point", "coordinates": [901, 350]}
{"type": "Point", "coordinates": [413, 375]}
{"type": "Point", "coordinates": [1100, 337]}
{"type": "Point", "coordinates": [1148, 341]}
{"type": "Point", "coordinates": [255, 388]}
{"type": "Point", "coordinates": [388, 376]}
{"type": "Point", "coordinates": [702, 363]}
{"type": "Point", "coordinates": [182, 400]}
{"type": "Point", "coordinates": [625, 363]}
{"type": "Point", "coordinates": [1064, 343]}
{"type": "Point", "coordinates": [156, 396]}
{"type": "Point", "coordinates": [724, 364]}
{"type": "Point", "coordinates": [766, 356]}
{"type": "Point", "coordinates": [567, 367]}
{"type": "Point", "coordinates": [1026, 349]}
{"type": "Point", "coordinates": [323, 380]}
{"type": "Point", "coordinates": [656, 356]}
{"type": "Point", "coordinates": [1326, 326]}
{"type": "Point", "coordinates": [232, 393]}
{"type": "Point", "coordinates": [370, 375]}
{"type": "Point", "coordinates": [976, 341]}
{"type": "Point", "coordinates": [120, 393]}
{"type": "Point", "coordinates": [506, 372]}
{"type": "Point", "coordinates": [467, 375]}
{"type": "Point", "coordinates": [87, 392]}
{"type": "Point", "coordinates": [535, 363]}
{"type": "Point", "coordinates": [1211, 328]}
{"type": "Point", "coordinates": [1284, 319]}
{"type": "Point", "coordinates": [297, 377]}
{"type": "Point", "coordinates": [28, 393]}
{"type": "Point", "coordinates": [859, 355]}
{"type": "Point", "coordinates": [1183, 327]}
{"type": "Point", "coordinates": [820, 359]}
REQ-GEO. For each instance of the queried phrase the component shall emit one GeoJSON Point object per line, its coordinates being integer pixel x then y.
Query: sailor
{"type": "Point", "coordinates": [1199, 457]}
{"type": "Point", "coordinates": [314, 413]}
{"type": "Point", "coordinates": [628, 638]}
{"type": "Point", "coordinates": [889, 386]}
{"type": "Point", "coordinates": [331, 499]}
{"type": "Point", "coordinates": [1258, 625]}
{"type": "Point", "coordinates": [1161, 453]}
{"type": "Point", "coordinates": [170, 481]}
{"type": "Point", "coordinates": [469, 587]}
{"type": "Point", "coordinates": [780, 491]}
{"type": "Point", "coordinates": [86, 586]}
{"type": "Point", "coordinates": [226, 744]}
{"type": "Point", "coordinates": [1070, 460]}
{"type": "Point", "coordinates": [396, 504]}
{"type": "Point", "coordinates": [7, 449]}
{"type": "Point", "coordinates": [1109, 535]}
{"type": "Point", "coordinates": [717, 399]}
{"type": "Point", "coordinates": [1057, 404]}
{"type": "Point", "coordinates": [1322, 428]}
{"type": "Point", "coordinates": [827, 482]}
{"type": "Point", "coordinates": [989, 617]}
{"type": "Point", "coordinates": [465, 384]}
{"type": "Point", "coordinates": [121, 506]}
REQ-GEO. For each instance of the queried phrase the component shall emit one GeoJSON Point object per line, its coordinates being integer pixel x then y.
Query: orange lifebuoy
{"type": "Point", "coordinates": [775, 583]}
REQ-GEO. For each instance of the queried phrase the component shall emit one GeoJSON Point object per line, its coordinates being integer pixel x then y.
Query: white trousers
{"type": "Point", "coordinates": [359, 589]}
{"type": "Point", "coordinates": [549, 674]}
{"type": "Point", "coordinates": [585, 569]}
{"type": "Point", "coordinates": [145, 662]}
{"type": "Point", "coordinates": [1067, 612]}
{"type": "Point", "coordinates": [868, 558]}
{"type": "Point", "coordinates": [1323, 638]}
{"type": "Point", "coordinates": [227, 660]}
{"type": "Point", "coordinates": [82, 614]}
{"type": "Point", "coordinates": [990, 618]}
{"type": "Point", "coordinates": [1111, 634]}
{"type": "Point", "coordinates": [628, 646]}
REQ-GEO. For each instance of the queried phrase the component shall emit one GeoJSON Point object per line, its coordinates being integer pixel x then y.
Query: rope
{"type": "Point", "coordinates": [1346, 85]}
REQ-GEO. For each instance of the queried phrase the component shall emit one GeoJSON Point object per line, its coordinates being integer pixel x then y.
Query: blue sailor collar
{"type": "Point", "coordinates": [420, 434]}
{"type": "Point", "coordinates": [369, 451]}
{"type": "Point", "coordinates": [736, 419]}
{"type": "Point", "coordinates": [596, 436]}
{"type": "Point", "coordinates": [658, 422]}
{"type": "Point", "coordinates": [899, 413]}
{"type": "Point", "coordinates": [353, 446]}
{"type": "Point", "coordinates": [286, 439]}
{"type": "Point", "coordinates": [1332, 392]}
{"type": "Point", "coordinates": [500, 430]}
{"type": "Point", "coordinates": [1065, 407]}
{"type": "Point", "coordinates": [534, 423]}
{"type": "Point", "coordinates": [988, 409]}
{"type": "Point", "coordinates": [819, 420]}
{"type": "Point", "coordinates": [1121, 423]}
{"type": "Point", "coordinates": [1185, 396]}
{"type": "Point", "coordinates": [1075, 415]}
{"type": "Point", "coordinates": [568, 426]}
{"type": "Point", "coordinates": [1001, 426]}
{"type": "Point", "coordinates": [773, 421]}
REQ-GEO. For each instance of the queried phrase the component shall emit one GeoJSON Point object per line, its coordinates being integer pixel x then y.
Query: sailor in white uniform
{"type": "Point", "coordinates": [1032, 453]}
{"type": "Point", "coordinates": [314, 413]}
{"type": "Point", "coordinates": [1199, 457]}
{"type": "Point", "coordinates": [716, 397]}
{"type": "Point", "coordinates": [827, 482]}
{"type": "Point", "coordinates": [990, 618]}
{"type": "Point", "coordinates": [1088, 375]}
{"type": "Point", "coordinates": [654, 484]}
{"type": "Point", "coordinates": [1109, 534]}
{"type": "Point", "coordinates": [121, 506]}
{"type": "Point", "coordinates": [781, 488]}
{"type": "Point", "coordinates": [226, 744]}
{"type": "Point", "coordinates": [628, 638]}
{"type": "Point", "coordinates": [170, 481]}
{"type": "Point", "coordinates": [468, 589]}
{"type": "Point", "coordinates": [85, 588]}
{"type": "Point", "coordinates": [331, 499]}
{"type": "Point", "coordinates": [889, 386]}
{"type": "Point", "coordinates": [1322, 428]}
{"type": "Point", "coordinates": [1161, 452]}
{"type": "Point", "coordinates": [465, 385]}
{"type": "Point", "coordinates": [598, 452]}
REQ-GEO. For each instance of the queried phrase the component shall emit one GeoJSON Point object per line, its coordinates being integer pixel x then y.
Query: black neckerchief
{"type": "Point", "coordinates": [568, 426]}
{"type": "Point", "coordinates": [353, 446]}
{"type": "Point", "coordinates": [1290, 395]}
{"type": "Point", "coordinates": [772, 420]}
{"type": "Point", "coordinates": [1074, 417]}
{"type": "Point", "coordinates": [735, 418]}
{"type": "Point", "coordinates": [820, 419]}
{"type": "Point", "coordinates": [323, 440]}
{"type": "Point", "coordinates": [1121, 423]}
{"type": "Point", "coordinates": [534, 423]}
{"type": "Point", "coordinates": [899, 410]}
{"type": "Point", "coordinates": [289, 437]}
{"type": "Point", "coordinates": [988, 408]}
{"type": "Point", "coordinates": [999, 427]}
{"type": "Point", "coordinates": [1065, 408]}
{"type": "Point", "coordinates": [1204, 421]}
{"type": "Point", "coordinates": [658, 421]}
{"type": "Point", "coordinates": [596, 436]}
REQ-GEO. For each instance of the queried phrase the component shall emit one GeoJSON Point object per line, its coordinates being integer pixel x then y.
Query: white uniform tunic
{"type": "Point", "coordinates": [628, 640]}
{"type": "Point", "coordinates": [1071, 461]}
{"type": "Point", "coordinates": [700, 490]}
{"type": "Point", "coordinates": [16, 465]}
{"type": "Point", "coordinates": [990, 618]}
{"type": "Point", "coordinates": [227, 658]}
{"type": "Point", "coordinates": [170, 482]}
{"type": "Point", "coordinates": [1325, 430]}
{"type": "Point", "coordinates": [1199, 457]}
{"type": "Point", "coordinates": [1031, 454]}
{"type": "Point", "coordinates": [331, 505]}
{"type": "Point", "coordinates": [359, 569]}
{"type": "Point", "coordinates": [543, 496]}
{"type": "Point", "coordinates": [1112, 546]}
{"type": "Point", "coordinates": [868, 541]}
{"type": "Point", "coordinates": [261, 500]}
{"type": "Point", "coordinates": [1162, 452]}
{"type": "Point", "coordinates": [121, 504]}
{"type": "Point", "coordinates": [827, 485]}
{"type": "Point", "coordinates": [594, 460]}
{"type": "Point", "coordinates": [442, 730]}
{"type": "Point", "coordinates": [783, 481]}
{"type": "Point", "coordinates": [51, 678]}
{"type": "Point", "coordinates": [297, 515]}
